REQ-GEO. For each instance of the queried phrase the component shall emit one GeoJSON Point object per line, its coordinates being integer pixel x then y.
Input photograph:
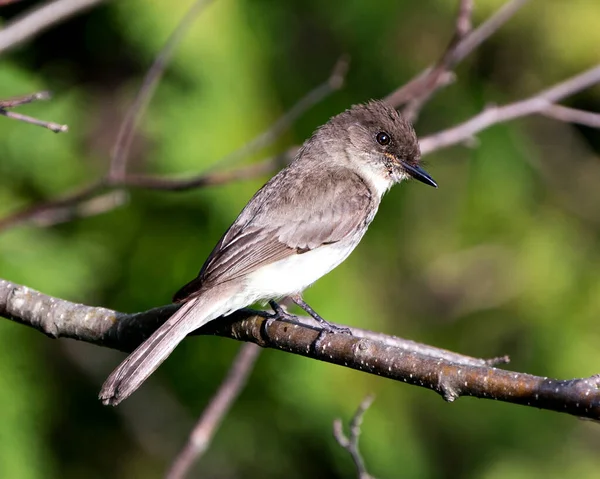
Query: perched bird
{"type": "Point", "coordinates": [299, 226]}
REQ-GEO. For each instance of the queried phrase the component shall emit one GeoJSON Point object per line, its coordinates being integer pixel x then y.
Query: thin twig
{"type": "Point", "coordinates": [492, 115]}
{"type": "Point", "coordinates": [453, 55]}
{"type": "Point", "coordinates": [162, 183]}
{"type": "Point", "coordinates": [23, 100]}
{"type": "Point", "coordinates": [118, 165]}
{"type": "Point", "coordinates": [5, 105]}
{"type": "Point", "coordinates": [472, 41]}
{"type": "Point", "coordinates": [55, 127]}
{"type": "Point", "coordinates": [39, 19]}
{"type": "Point", "coordinates": [73, 205]}
{"type": "Point", "coordinates": [218, 407]}
{"type": "Point", "coordinates": [43, 212]}
{"type": "Point", "coordinates": [440, 74]}
{"type": "Point", "coordinates": [572, 115]}
{"type": "Point", "coordinates": [333, 83]}
{"type": "Point", "coordinates": [350, 443]}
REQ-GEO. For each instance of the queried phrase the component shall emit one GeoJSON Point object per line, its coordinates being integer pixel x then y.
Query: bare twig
{"type": "Point", "coordinates": [472, 41]}
{"type": "Point", "coordinates": [216, 410]}
{"type": "Point", "coordinates": [57, 208]}
{"type": "Point", "coordinates": [39, 19]}
{"type": "Point", "coordinates": [333, 83]}
{"type": "Point", "coordinates": [156, 434]}
{"type": "Point", "coordinates": [77, 204]}
{"type": "Point", "coordinates": [23, 100]}
{"type": "Point", "coordinates": [433, 78]}
{"type": "Point", "coordinates": [55, 127]}
{"type": "Point", "coordinates": [350, 443]}
{"type": "Point", "coordinates": [492, 115]}
{"type": "Point", "coordinates": [59, 318]}
{"type": "Point", "coordinates": [463, 19]}
{"type": "Point", "coordinates": [538, 103]}
{"type": "Point", "coordinates": [65, 208]}
{"type": "Point", "coordinates": [572, 115]}
{"type": "Point", "coordinates": [440, 74]}
{"type": "Point", "coordinates": [118, 165]}
{"type": "Point", "coordinates": [208, 179]}
{"type": "Point", "coordinates": [5, 105]}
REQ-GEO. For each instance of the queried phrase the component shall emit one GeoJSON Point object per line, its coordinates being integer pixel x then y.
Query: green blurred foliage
{"type": "Point", "coordinates": [501, 259]}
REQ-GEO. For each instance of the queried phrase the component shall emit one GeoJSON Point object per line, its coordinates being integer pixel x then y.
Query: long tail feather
{"type": "Point", "coordinates": [140, 364]}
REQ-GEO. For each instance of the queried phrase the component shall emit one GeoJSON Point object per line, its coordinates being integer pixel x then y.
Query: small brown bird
{"type": "Point", "coordinates": [299, 226]}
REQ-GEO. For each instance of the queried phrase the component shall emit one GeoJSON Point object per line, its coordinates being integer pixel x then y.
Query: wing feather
{"type": "Point", "coordinates": [289, 215]}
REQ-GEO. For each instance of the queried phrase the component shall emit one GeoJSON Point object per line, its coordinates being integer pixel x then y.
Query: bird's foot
{"type": "Point", "coordinates": [326, 326]}
{"type": "Point", "coordinates": [329, 328]}
{"type": "Point", "coordinates": [279, 314]}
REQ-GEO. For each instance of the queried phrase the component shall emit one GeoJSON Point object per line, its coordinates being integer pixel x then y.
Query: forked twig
{"type": "Point", "coordinates": [350, 443]}
{"type": "Point", "coordinates": [431, 79]}
{"type": "Point", "coordinates": [5, 105]}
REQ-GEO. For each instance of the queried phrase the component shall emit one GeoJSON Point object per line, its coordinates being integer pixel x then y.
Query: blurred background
{"type": "Point", "coordinates": [502, 259]}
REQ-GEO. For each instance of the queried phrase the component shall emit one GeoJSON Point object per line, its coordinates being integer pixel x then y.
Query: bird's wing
{"type": "Point", "coordinates": [286, 217]}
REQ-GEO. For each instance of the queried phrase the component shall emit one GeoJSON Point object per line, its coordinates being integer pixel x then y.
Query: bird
{"type": "Point", "coordinates": [299, 226]}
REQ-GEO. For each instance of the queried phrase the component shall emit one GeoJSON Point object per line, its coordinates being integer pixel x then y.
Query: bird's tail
{"type": "Point", "coordinates": [140, 364]}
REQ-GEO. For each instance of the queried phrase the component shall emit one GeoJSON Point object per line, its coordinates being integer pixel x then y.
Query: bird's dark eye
{"type": "Point", "coordinates": [383, 138]}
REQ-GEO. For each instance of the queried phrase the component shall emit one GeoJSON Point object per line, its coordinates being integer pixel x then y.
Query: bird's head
{"type": "Point", "coordinates": [378, 142]}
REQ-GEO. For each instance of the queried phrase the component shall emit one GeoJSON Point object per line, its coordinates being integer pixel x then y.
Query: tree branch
{"type": "Point", "coordinates": [350, 443]}
{"type": "Point", "coordinates": [39, 19]}
{"type": "Point", "coordinates": [572, 115]}
{"type": "Point", "coordinates": [216, 410]}
{"type": "Point", "coordinates": [421, 87]}
{"type": "Point", "coordinates": [70, 206]}
{"type": "Point", "coordinates": [440, 74]}
{"type": "Point", "coordinates": [374, 353]}
{"type": "Point", "coordinates": [492, 115]}
{"type": "Point", "coordinates": [5, 105]}
{"type": "Point", "coordinates": [540, 103]}
{"type": "Point", "coordinates": [120, 154]}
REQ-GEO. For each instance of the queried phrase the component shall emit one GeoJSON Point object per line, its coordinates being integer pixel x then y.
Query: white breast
{"type": "Point", "coordinates": [295, 273]}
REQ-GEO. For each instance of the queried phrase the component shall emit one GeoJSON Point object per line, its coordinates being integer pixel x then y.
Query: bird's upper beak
{"type": "Point", "coordinates": [418, 173]}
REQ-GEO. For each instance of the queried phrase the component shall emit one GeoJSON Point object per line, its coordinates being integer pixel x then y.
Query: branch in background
{"type": "Point", "coordinates": [138, 417]}
{"type": "Point", "coordinates": [418, 90]}
{"type": "Point", "coordinates": [214, 178]}
{"type": "Point", "coordinates": [572, 115]}
{"type": "Point", "coordinates": [66, 208]}
{"type": "Point", "coordinates": [335, 82]}
{"type": "Point", "coordinates": [361, 351]}
{"type": "Point", "coordinates": [441, 74]}
{"type": "Point", "coordinates": [69, 206]}
{"type": "Point", "coordinates": [40, 19]}
{"type": "Point", "coordinates": [350, 443]}
{"type": "Point", "coordinates": [120, 153]}
{"type": "Point", "coordinates": [216, 410]}
{"type": "Point", "coordinates": [5, 105]}
{"type": "Point", "coordinates": [96, 198]}
{"type": "Point", "coordinates": [536, 104]}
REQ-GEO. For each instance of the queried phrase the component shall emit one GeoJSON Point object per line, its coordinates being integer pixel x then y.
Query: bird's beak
{"type": "Point", "coordinates": [418, 174]}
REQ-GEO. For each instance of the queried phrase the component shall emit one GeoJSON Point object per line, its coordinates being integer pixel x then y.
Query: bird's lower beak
{"type": "Point", "coordinates": [419, 174]}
